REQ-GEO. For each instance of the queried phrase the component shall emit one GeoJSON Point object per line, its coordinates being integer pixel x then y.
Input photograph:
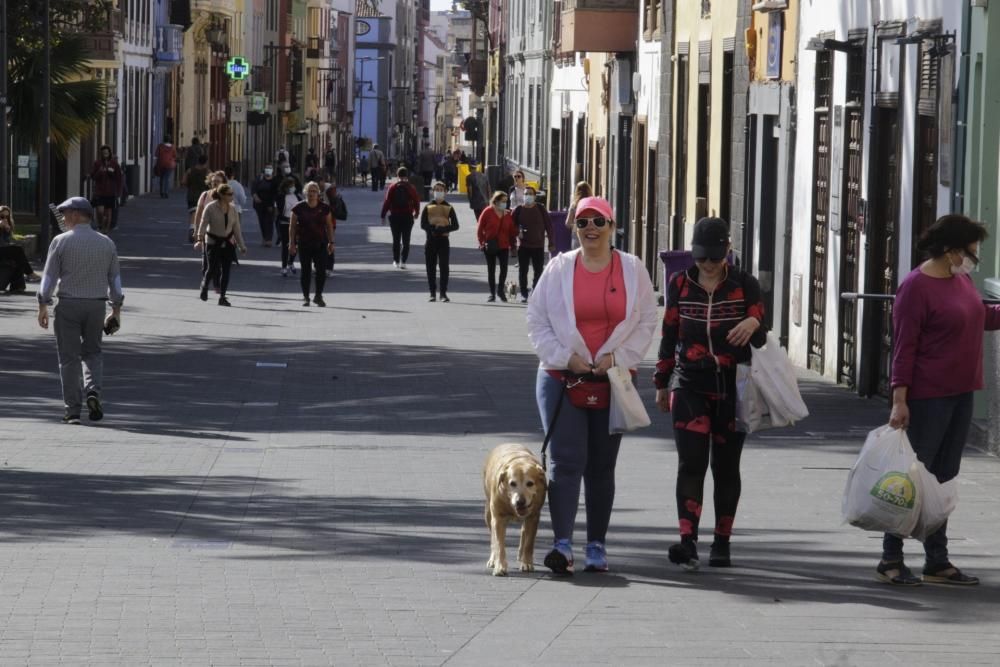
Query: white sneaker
{"type": "Point", "coordinates": [395, 265]}
{"type": "Point", "coordinates": [329, 274]}
{"type": "Point", "coordinates": [284, 272]}
{"type": "Point", "coordinates": [403, 265]}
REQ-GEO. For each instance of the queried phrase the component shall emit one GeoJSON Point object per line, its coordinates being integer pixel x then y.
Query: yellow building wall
{"type": "Point", "coordinates": [789, 43]}
{"type": "Point", "coordinates": [692, 28]}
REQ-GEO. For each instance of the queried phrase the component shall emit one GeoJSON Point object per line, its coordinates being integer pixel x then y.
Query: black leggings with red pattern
{"type": "Point", "coordinates": [705, 433]}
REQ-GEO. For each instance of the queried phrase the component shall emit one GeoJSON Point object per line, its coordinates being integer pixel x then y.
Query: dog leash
{"type": "Point", "coordinates": [552, 427]}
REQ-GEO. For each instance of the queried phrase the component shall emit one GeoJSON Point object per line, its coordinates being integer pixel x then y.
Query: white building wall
{"type": "Point", "coordinates": [820, 16]}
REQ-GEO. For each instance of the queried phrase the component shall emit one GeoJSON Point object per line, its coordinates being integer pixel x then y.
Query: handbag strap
{"type": "Point", "coordinates": [552, 427]}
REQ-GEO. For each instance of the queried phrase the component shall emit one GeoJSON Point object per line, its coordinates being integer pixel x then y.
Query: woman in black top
{"type": "Point", "coordinates": [310, 235]}
{"type": "Point", "coordinates": [438, 219]}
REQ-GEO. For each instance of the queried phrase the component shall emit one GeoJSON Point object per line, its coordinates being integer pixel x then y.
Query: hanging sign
{"type": "Point", "coordinates": [237, 68]}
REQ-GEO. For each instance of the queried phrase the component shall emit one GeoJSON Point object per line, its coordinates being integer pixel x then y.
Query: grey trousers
{"type": "Point", "coordinates": [79, 327]}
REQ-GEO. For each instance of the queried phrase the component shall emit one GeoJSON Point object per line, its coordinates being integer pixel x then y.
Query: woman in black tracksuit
{"type": "Point", "coordinates": [713, 313]}
{"type": "Point", "coordinates": [438, 219]}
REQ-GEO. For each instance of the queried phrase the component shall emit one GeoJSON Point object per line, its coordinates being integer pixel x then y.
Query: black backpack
{"type": "Point", "coordinates": [401, 196]}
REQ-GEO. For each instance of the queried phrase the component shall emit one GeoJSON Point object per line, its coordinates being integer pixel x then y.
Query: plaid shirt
{"type": "Point", "coordinates": [84, 265]}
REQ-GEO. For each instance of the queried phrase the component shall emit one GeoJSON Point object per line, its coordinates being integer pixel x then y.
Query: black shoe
{"type": "Point", "coordinates": [318, 300]}
{"type": "Point", "coordinates": [432, 299]}
{"type": "Point", "coordinates": [204, 294]}
{"type": "Point", "coordinates": [305, 302]}
{"type": "Point", "coordinates": [718, 556]}
{"type": "Point", "coordinates": [684, 554]}
{"type": "Point", "coordinates": [502, 296]}
{"type": "Point", "coordinates": [71, 419]}
{"type": "Point", "coordinates": [223, 301]}
{"type": "Point", "coordinates": [444, 297]}
{"type": "Point", "coordinates": [491, 298]}
{"type": "Point", "coordinates": [95, 408]}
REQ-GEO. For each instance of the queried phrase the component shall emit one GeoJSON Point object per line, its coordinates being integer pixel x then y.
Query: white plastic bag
{"type": "Point", "coordinates": [774, 377]}
{"type": "Point", "coordinates": [751, 413]}
{"type": "Point", "coordinates": [881, 493]}
{"type": "Point", "coordinates": [627, 413]}
{"type": "Point", "coordinates": [937, 501]}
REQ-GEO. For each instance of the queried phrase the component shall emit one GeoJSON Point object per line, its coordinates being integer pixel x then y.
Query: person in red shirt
{"type": "Point", "coordinates": [497, 237]}
{"type": "Point", "coordinates": [166, 164]}
{"type": "Point", "coordinates": [938, 320]}
{"type": "Point", "coordinates": [402, 205]}
{"type": "Point", "coordinates": [106, 174]}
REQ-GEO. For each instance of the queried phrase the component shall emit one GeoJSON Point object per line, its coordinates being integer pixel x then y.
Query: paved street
{"type": "Point", "coordinates": [280, 485]}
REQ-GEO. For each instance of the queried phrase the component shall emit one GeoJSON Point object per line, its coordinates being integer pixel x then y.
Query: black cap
{"type": "Point", "coordinates": [711, 239]}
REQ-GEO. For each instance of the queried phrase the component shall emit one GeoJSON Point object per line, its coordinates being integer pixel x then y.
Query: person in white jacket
{"type": "Point", "coordinates": [592, 309]}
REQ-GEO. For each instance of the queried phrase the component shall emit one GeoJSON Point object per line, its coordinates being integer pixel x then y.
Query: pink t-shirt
{"type": "Point", "coordinates": [938, 325]}
{"type": "Point", "coordinates": [599, 302]}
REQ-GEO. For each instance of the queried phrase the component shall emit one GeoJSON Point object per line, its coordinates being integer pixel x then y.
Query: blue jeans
{"type": "Point", "coordinates": [580, 449]}
{"type": "Point", "coordinates": [938, 430]}
{"type": "Point", "coordinates": [166, 181]}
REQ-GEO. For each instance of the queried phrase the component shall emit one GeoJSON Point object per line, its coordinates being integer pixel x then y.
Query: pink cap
{"type": "Point", "coordinates": [597, 205]}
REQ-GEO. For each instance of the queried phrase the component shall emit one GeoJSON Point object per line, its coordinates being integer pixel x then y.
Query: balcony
{"type": "Point", "coordinates": [314, 49]}
{"type": "Point", "coordinates": [168, 46]}
{"type": "Point", "coordinates": [102, 33]}
{"type": "Point", "coordinates": [599, 25]}
{"type": "Point", "coordinates": [477, 76]}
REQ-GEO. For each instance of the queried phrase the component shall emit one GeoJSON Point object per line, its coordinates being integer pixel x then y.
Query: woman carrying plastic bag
{"type": "Point", "coordinates": [938, 322]}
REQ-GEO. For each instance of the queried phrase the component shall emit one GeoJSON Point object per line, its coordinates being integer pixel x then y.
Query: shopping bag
{"type": "Point", "coordinates": [627, 413]}
{"type": "Point", "coordinates": [881, 493]}
{"type": "Point", "coordinates": [937, 501]}
{"type": "Point", "coordinates": [775, 381]}
{"type": "Point", "coordinates": [751, 412]}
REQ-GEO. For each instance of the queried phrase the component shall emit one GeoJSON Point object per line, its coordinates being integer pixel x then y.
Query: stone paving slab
{"type": "Point", "coordinates": [280, 485]}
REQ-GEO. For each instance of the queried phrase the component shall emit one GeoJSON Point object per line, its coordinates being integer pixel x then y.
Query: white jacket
{"type": "Point", "coordinates": [552, 315]}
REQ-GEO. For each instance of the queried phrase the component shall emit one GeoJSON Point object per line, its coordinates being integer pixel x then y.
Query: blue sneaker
{"type": "Point", "coordinates": [560, 559]}
{"type": "Point", "coordinates": [597, 558]}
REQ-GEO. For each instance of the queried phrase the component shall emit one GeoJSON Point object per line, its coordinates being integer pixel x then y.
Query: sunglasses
{"type": "Point", "coordinates": [581, 223]}
{"type": "Point", "coordinates": [713, 260]}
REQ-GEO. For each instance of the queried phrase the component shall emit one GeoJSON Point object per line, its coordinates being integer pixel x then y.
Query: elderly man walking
{"type": "Point", "coordinates": [83, 266]}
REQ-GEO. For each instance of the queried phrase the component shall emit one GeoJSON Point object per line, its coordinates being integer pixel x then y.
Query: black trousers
{"type": "Point", "coordinates": [537, 258]}
{"type": "Point", "coordinates": [286, 259]}
{"type": "Point", "coordinates": [437, 251]}
{"type": "Point", "coordinates": [220, 261]}
{"type": "Point", "coordinates": [401, 226]}
{"type": "Point", "coordinates": [265, 218]}
{"type": "Point", "coordinates": [501, 257]}
{"type": "Point", "coordinates": [15, 255]}
{"type": "Point", "coordinates": [313, 257]}
{"type": "Point", "coordinates": [378, 180]}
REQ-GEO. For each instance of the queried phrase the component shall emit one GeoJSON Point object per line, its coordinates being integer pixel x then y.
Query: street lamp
{"type": "Point", "coordinates": [361, 98]}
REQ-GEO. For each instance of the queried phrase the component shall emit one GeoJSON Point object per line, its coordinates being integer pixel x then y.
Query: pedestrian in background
{"type": "Point", "coordinates": [196, 180]}
{"type": "Point", "coordinates": [82, 267]}
{"type": "Point", "coordinates": [330, 164]}
{"type": "Point", "coordinates": [497, 235]}
{"type": "Point", "coordinates": [15, 269]}
{"type": "Point", "coordinates": [339, 209]}
{"type": "Point", "coordinates": [534, 228]}
{"type": "Point", "coordinates": [594, 308]}
{"type": "Point", "coordinates": [438, 220]}
{"type": "Point", "coordinates": [449, 170]}
{"type": "Point", "coordinates": [426, 163]}
{"type": "Point", "coordinates": [378, 167]}
{"type": "Point", "coordinates": [311, 237]}
{"type": "Point", "coordinates": [713, 313]}
{"type": "Point", "coordinates": [166, 164]}
{"type": "Point", "coordinates": [107, 177]}
{"type": "Point", "coordinates": [938, 319]}
{"type": "Point", "coordinates": [402, 205]}
{"type": "Point", "coordinates": [239, 193]}
{"type": "Point", "coordinates": [288, 198]}
{"type": "Point", "coordinates": [194, 153]}
{"type": "Point", "coordinates": [363, 169]}
{"type": "Point", "coordinates": [265, 191]}
{"type": "Point", "coordinates": [582, 191]}
{"type": "Point", "coordinates": [477, 187]}
{"type": "Point", "coordinates": [519, 191]}
{"type": "Point", "coordinates": [221, 235]}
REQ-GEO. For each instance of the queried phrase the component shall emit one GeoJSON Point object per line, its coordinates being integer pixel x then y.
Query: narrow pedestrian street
{"type": "Point", "coordinates": [276, 484]}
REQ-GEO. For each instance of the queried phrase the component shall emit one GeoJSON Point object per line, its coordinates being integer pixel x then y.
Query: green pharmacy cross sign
{"type": "Point", "coordinates": [237, 68]}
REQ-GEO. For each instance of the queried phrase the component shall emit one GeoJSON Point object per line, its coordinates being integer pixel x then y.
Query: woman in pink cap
{"type": "Point", "coordinates": [592, 309]}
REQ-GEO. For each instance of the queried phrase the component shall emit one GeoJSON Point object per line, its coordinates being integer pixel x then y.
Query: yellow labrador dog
{"type": "Point", "coordinates": [514, 482]}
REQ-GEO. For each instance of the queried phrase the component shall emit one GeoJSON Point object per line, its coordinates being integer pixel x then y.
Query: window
{"type": "Point", "coordinates": [651, 10]}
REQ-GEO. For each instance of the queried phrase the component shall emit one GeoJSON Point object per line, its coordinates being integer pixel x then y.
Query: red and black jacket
{"type": "Point", "coordinates": [693, 349]}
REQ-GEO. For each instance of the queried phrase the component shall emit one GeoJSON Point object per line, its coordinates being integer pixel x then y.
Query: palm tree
{"type": "Point", "coordinates": [77, 103]}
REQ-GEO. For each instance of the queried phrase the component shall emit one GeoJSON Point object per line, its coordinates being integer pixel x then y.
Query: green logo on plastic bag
{"type": "Point", "coordinates": [895, 488]}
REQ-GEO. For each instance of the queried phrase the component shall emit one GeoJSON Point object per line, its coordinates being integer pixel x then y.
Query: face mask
{"type": "Point", "coordinates": [288, 170]}
{"type": "Point", "coordinates": [502, 205]}
{"type": "Point", "coordinates": [291, 191]}
{"type": "Point", "coordinates": [529, 199]}
{"type": "Point", "coordinates": [967, 267]}
{"type": "Point", "coordinates": [269, 172]}
{"type": "Point", "coordinates": [438, 195]}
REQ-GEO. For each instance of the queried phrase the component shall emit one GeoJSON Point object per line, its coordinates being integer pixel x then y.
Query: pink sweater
{"type": "Point", "coordinates": [938, 326]}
